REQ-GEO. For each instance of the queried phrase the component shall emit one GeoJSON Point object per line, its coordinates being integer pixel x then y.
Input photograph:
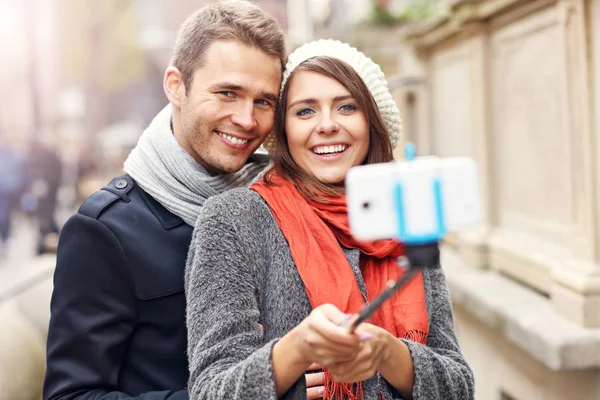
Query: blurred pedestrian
{"type": "Point", "coordinates": [46, 172]}
{"type": "Point", "coordinates": [13, 180]}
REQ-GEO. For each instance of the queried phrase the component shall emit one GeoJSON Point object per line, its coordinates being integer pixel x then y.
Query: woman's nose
{"type": "Point", "coordinates": [327, 126]}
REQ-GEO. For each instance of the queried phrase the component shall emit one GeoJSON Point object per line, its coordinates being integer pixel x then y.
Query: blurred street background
{"type": "Point", "coordinates": [514, 84]}
{"type": "Point", "coordinates": [81, 79]}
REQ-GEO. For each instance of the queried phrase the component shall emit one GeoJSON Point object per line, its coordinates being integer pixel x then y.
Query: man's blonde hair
{"type": "Point", "coordinates": [237, 20]}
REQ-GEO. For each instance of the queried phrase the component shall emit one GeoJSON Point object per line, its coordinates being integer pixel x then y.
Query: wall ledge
{"type": "Point", "coordinates": [463, 20]}
{"type": "Point", "coordinates": [16, 279]}
{"type": "Point", "coordinates": [522, 316]}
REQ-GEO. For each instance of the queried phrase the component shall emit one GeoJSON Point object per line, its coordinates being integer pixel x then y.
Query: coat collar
{"type": "Point", "coordinates": [167, 219]}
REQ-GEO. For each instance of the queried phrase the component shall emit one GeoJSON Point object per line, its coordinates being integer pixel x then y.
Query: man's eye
{"type": "Point", "coordinates": [263, 102]}
{"type": "Point", "coordinates": [348, 108]}
{"type": "Point", "coordinates": [227, 93]}
{"type": "Point", "coordinates": [304, 112]}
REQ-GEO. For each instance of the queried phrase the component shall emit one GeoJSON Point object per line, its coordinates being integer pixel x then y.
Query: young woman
{"type": "Point", "coordinates": [273, 271]}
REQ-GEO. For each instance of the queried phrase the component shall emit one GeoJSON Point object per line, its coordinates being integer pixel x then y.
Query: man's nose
{"type": "Point", "coordinates": [244, 117]}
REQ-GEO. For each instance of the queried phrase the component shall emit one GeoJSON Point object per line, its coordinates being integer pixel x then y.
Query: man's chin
{"type": "Point", "coordinates": [224, 162]}
{"type": "Point", "coordinates": [231, 166]}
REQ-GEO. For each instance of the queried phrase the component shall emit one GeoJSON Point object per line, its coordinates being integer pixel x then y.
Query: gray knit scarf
{"type": "Point", "coordinates": [170, 175]}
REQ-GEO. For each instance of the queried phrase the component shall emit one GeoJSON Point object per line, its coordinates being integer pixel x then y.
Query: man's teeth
{"type": "Point", "coordinates": [232, 139]}
{"type": "Point", "coordinates": [330, 149]}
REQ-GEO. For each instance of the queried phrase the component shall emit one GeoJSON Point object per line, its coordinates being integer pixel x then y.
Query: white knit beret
{"type": "Point", "coordinates": [368, 70]}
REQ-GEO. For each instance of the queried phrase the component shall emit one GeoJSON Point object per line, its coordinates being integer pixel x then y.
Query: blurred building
{"type": "Point", "coordinates": [75, 71]}
{"type": "Point", "coordinates": [28, 37]}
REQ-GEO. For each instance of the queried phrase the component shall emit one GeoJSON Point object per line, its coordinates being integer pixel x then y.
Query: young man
{"type": "Point", "coordinates": [117, 328]}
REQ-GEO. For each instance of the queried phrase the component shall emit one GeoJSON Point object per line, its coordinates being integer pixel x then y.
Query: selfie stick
{"type": "Point", "coordinates": [421, 251]}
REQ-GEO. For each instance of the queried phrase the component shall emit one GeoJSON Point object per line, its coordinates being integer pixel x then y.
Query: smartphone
{"type": "Point", "coordinates": [416, 201]}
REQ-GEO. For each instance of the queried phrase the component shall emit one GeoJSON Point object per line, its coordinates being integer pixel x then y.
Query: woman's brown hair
{"type": "Point", "coordinates": [380, 147]}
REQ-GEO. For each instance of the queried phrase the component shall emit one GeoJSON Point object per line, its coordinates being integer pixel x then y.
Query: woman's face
{"type": "Point", "coordinates": [326, 130]}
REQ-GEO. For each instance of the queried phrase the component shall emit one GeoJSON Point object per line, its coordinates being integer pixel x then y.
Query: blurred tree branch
{"type": "Point", "coordinates": [415, 11]}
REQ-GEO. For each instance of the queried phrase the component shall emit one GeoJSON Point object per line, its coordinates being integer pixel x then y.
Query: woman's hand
{"type": "Point", "coordinates": [367, 361]}
{"type": "Point", "coordinates": [322, 340]}
{"type": "Point", "coordinates": [380, 351]}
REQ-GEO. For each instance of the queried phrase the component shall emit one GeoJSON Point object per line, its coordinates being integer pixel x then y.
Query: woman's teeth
{"type": "Point", "coordinates": [232, 139]}
{"type": "Point", "coordinates": [329, 149]}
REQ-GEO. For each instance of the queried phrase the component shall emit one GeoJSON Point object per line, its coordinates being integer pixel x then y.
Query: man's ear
{"type": "Point", "coordinates": [173, 86]}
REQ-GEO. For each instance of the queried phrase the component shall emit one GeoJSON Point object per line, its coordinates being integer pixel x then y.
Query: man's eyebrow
{"type": "Point", "coordinates": [314, 101]}
{"type": "Point", "coordinates": [235, 87]}
{"type": "Point", "coordinates": [224, 86]}
{"type": "Point", "coordinates": [270, 96]}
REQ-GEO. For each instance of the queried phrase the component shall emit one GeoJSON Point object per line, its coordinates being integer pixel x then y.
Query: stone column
{"type": "Point", "coordinates": [575, 290]}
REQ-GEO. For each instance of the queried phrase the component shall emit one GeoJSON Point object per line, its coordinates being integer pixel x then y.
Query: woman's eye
{"type": "Point", "coordinates": [304, 112]}
{"type": "Point", "coordinates": [348, 108]}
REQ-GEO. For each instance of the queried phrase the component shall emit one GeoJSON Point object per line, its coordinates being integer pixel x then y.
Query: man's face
{"type": "Point", "coordinates": [229, 109]}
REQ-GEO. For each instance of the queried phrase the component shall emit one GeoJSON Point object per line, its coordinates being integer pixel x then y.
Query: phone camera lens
{"type": "Point", "coordinates": [366, 205]}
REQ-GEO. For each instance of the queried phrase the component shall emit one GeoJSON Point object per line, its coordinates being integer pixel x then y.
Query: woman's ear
{"type": "Point", "coordinates": [173, 86]}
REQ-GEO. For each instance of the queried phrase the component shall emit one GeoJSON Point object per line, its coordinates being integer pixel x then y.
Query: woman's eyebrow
{"type": "Point", "coordinates": [342, 98]}
{"type": "Point", "coordinates": [307, 101]}
{"type": "Point", "coordinates": [314, 101]}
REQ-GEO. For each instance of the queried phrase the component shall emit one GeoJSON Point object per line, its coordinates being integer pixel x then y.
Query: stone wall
{"type": "Point", "coordinates": [510, 83]}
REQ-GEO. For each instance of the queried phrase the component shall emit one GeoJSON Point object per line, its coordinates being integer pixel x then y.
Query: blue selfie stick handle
{"type": "Point", "coordinates": [403, 234]}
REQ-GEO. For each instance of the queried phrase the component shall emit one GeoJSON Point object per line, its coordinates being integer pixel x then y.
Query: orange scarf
{"type": "Point", "coordinates": [314, 232]}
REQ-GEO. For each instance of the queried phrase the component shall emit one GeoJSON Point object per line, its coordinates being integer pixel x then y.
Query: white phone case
{"type": "Point", "coordinates": [415, 201]}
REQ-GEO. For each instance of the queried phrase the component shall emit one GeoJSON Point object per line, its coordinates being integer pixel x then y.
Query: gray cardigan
{"type": "Point", "coordinates": [240, 275]}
